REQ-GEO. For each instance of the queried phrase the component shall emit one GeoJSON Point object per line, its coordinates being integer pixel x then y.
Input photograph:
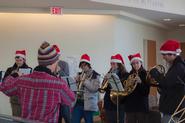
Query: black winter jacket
{"type": "Point", "coordinates": [137, 101]}
{"type": "Point", "coordinates": [13, 68]}
{"type": "Point", "coordinates": [9, 71]}
{"type": "Point", "coordinates": [108, 104]}
{"type": "Point", "coordinates": [172, 87]}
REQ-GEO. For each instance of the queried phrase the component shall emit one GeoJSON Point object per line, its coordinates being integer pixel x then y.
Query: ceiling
{"type": "Point", "coordinates": [87, 4]}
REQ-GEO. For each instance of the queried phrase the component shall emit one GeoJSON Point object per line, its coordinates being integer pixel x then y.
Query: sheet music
{"type": "Point", "coordinates": [71, 82]}
{"type": "Point", "coordinates": [115, 83]}
{"type": "Point", "coordinates": [73, 62]}
{"type": "Point", "coordinates": [25, 71]}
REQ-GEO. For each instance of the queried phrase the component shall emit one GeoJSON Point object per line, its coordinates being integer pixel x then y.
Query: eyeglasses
{"type": "Point", "coordinates": [82, 64]}
{"type": "Point", "coordinates": [165, 54]}
{"type": "Point", "coordinates": [19, 59]}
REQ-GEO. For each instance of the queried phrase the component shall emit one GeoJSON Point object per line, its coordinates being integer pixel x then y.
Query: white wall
{"type": "Point", "coordinates": [99, 36]}
{"type": "Point", "coordinates": [129, 37]}
{"type": "Point", "coordinates": [75, 34]}
{"type": "Point", "coordinates": [178, 34]}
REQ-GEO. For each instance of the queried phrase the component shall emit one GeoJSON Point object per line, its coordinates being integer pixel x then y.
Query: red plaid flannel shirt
{"type": "Point", "coordinates": [40, 95]}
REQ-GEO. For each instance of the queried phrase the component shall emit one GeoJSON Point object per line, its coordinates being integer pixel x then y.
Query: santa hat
{"type": "Point", "coordinates": [133, 57]}
{"type": "Point", "coordinates": [117, 59]}
{"type": "Point", "coordinates": [85, 58]}
{"type": "Point", "coordinates": [171, 47]}
{"type": "Point", "coordinates": [20, 53]}
{"type": "Point", "coordinates": [57, 49]}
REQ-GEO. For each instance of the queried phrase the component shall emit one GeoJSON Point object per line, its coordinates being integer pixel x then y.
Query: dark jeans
{"type": "Point", "coordinates": [111, 116]}
{"type": "Point", "coordinates": [16, 110]}
{"type": "Point", "coordinates": [16, 106]}
{"type": "Point", "coordinates": [78, 113]}
{"type": "Point", "coordinates": [154, 117]}
{"type": "Point", "coordinates": [136, 117]}
{"type": "Point", "coordinates": [64, 113]}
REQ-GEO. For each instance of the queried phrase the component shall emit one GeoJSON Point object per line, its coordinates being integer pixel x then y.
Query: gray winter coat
{"type": "Point", "coordinates": [91, 92]}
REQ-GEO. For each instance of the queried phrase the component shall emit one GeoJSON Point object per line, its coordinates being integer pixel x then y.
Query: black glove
{"type": "Point", "coordinates": [15, 75]}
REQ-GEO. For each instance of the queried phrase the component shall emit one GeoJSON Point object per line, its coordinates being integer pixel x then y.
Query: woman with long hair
{"type": "Point", "coordinates": [136, 104]}
{"type": "Point", "coordinates": [110, 109]}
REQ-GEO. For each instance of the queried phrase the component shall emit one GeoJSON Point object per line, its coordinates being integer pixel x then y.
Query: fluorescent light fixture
{"type": "Point", "coordinates": [167, 19]}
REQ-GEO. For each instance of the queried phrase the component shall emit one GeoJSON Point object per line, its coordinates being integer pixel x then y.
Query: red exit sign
{"type": "Point", "coordinates": [56, 10]}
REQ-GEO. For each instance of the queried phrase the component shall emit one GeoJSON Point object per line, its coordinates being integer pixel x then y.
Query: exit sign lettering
{"type": "Point", "coordinates": [56, 10]}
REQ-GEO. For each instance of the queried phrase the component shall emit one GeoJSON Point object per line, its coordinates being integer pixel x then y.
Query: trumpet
{"type": "Point", "coordinates": [82, 79]}
{"type": "Point", "coordinates": [104, 85]}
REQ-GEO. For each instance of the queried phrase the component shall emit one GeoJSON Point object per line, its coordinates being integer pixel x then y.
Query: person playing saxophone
{"type": "Point", "coordinates": [109, 108]}
{"type": "Point", "coordinates": [87, 93]}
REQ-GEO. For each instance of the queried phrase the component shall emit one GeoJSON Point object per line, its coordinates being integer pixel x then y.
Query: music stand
{"type": "Point", "coordinates": [72, 85]}
{"type": "Point", "coordinates": [116, 87]}
{"type": "Point", "coordinates": [2, 73]}
{"type": "Point", "coordinates": [71, 82]}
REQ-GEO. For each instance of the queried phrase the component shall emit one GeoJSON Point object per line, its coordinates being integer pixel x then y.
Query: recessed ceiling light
{"type": "Point", "coordinates": [167, 19]}
{"type": "Point", "coordinates": [181, 25]}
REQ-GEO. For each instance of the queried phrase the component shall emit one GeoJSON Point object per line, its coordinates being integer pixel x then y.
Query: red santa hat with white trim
{"type": "Point", "coordinates": [170, 47]}
{"type": "Point", "coordinates": [136, 56]}
{"type": "Point", "coordinates": [20, 53]}
{"type": "Point", "coordinates": [117, 59]}
{"type": "Point", "coordinates": [85, 58]}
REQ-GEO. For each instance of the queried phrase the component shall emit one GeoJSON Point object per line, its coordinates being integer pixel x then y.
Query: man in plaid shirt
{"type": "Point", "coordinates": [40, 92]}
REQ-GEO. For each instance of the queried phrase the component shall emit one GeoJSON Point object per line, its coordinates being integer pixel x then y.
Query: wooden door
{"type": "Point", "coordinates": [183, 49]}
{"type": "Point", "coordinates": [151, 60]}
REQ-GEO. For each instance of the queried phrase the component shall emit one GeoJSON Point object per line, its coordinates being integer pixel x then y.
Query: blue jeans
{"type": "Point", "coordinates": [64, 113]}
{"type": "Point", "coordinates": [79, 113]}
